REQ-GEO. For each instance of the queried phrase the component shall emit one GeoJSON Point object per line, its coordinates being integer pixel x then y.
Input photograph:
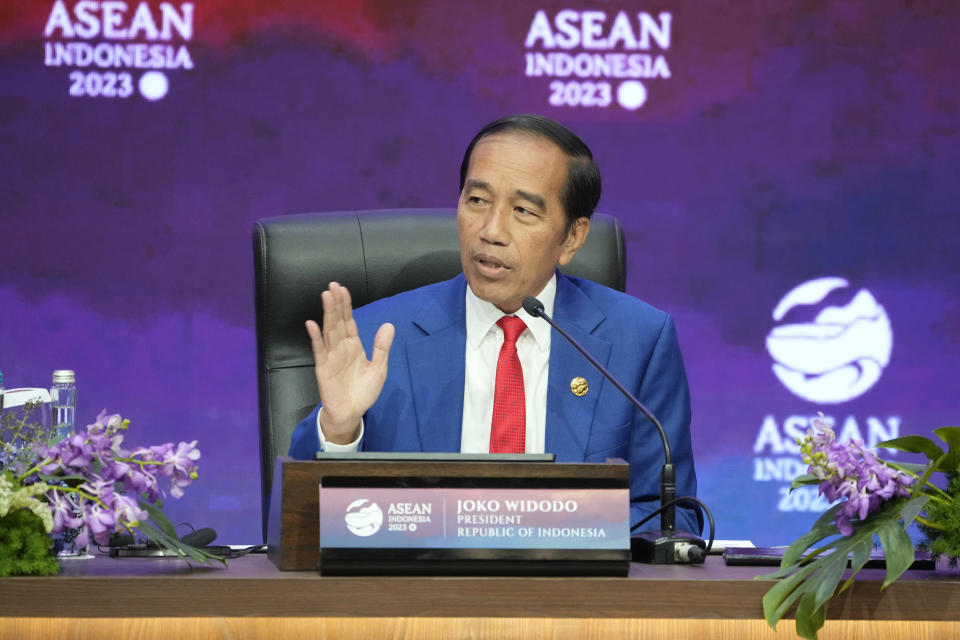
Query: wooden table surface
{"type": "Point", "coordinates": [106, 587]}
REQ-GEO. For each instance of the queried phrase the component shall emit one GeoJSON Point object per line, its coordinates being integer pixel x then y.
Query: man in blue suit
{"type": "Point", "coordinates": [528, 189]}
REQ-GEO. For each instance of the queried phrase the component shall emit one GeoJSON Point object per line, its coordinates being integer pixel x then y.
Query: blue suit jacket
{"type": "Point", "coordinates": [421, 405]}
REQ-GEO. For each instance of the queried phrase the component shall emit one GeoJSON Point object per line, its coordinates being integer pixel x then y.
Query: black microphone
{"type": "Point", "coordinates": [200, 537]}
{"type": "Point", "coordinates": [666, 546]}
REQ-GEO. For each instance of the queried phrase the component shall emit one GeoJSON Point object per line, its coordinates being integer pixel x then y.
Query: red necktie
{"type": "Point", "coordinates": [508, 431]}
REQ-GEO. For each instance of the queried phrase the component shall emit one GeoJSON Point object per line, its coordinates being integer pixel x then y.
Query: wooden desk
{"type": "Point", "coordinates": [147, 598]}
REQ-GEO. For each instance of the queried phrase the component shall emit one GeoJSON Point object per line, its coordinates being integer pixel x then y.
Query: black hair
{"type": "Point", "coordinates": [581, 192]}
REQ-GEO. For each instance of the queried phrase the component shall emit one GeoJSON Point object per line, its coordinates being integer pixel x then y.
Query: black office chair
{"type": "Point", "coordinates": [375, 254]}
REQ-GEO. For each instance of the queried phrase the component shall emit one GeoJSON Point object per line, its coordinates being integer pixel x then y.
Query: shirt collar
{"type": "Point", "coordinates": [482, 317]}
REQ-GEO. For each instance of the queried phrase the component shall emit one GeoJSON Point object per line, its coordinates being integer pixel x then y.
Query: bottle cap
{"type": "Point", "coordinates": [64, 376]}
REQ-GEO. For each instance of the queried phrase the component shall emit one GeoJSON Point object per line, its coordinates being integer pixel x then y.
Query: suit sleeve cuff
{"type": "Point", "coordinates": [338, 448]}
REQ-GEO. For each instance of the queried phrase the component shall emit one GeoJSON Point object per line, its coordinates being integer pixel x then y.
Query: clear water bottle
{"type": "Point", "coordinates": [63, 404]}
{"type": "Point", "coordinates": [63, 401]}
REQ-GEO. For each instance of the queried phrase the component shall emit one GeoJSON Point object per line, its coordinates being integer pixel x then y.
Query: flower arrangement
{"type": "Point", "coordinates": [877, 498]}
{"type": "Point", "coordinates": [86, 484]}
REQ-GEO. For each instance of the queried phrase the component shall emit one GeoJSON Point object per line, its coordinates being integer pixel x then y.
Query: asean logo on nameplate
{"type": "Point", "coordinates": [838, 354]}
{"type": "Point", "coordinates": [363, 517]}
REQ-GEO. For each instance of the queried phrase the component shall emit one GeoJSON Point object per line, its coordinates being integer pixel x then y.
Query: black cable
{"type": "Point", "coordinates": [676, 501]}
{"type": "Point", "coordinates": [239, 553]}
{"type": "Point", "coordinates": [220, 551]}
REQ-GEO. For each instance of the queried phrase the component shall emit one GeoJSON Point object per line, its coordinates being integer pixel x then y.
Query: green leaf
{"type": "Point", "coordinates": [843, 546]}
{"type": "Point", "coordinates": [914, 444]}
{"type": "Point", "coordinates": [913, 468]}
{"type": "Point", "coordinates": [950, 435]}
{"type": "Point", "coordinates": [813, 584]}
{"type": "Point", "coordinates": [829, 577]}
{"type": "Point", "coordinates": [811, 576]}
{"type": "Point", "coordinates": [822, 529]}
{"type": "Point", "coordinates": [777, 609]}
{"type": "Point", "coordinates": [780, 597]}
{"type": "Point", "coordinates": [155, 535]}
{"type": "Point", "coordinates": [859, 543]}
{"type": "Point", "coordinates": [76, 479]}
{"type": "Point", "coordinates": [156, 515]}
{"type": "Point", "coordinates": [861, 554]}
{"type": "Point", "coordinates": [810, 618]}
{"type": "Point", "coordinates": [898, 549]}
{"type": "Point", "coordinates": [912, 508]}
{"type": "Point", "coordinates": [182, 550]}
{"type": "Point", "coordinates": [922, 482]}
{"type": "Point", "coordinates": [828, 516]}
{"type": "Point", "coordinates": [804, 480]}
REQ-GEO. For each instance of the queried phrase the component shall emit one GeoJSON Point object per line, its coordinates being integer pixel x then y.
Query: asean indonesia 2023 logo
{"type": "Point", "coordinates": [835, 353]}
{"type": "Point", "coordinates": [599, 59]}
{"type": "Point", "coordinates": [119, 49]}
{"type": "Point", "coordinates": [364, 517]}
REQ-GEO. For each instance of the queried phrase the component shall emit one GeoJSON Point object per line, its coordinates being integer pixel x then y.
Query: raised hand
{"type": "Point", "coordinates": [349, 384]}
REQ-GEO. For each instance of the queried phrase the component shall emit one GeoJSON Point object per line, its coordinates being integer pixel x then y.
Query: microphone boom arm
{"type": "Point", "coordinates": [668, 479]}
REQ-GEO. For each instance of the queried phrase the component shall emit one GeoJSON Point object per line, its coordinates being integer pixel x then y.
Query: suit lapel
{"type": "Point", "coordinates": [436, 364]}
{"type": "Point", "coordinates": [570, 417]}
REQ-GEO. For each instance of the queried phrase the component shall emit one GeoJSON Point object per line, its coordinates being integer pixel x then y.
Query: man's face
{"type": "Point", "coordinates": [511, 222]}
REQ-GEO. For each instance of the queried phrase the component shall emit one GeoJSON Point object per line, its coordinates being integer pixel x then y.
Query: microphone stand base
{"type": "Point", "coordinates": [667, 547]}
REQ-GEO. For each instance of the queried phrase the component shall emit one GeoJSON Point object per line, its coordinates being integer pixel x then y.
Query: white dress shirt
{"type": "Point", "coordinates": [484, 339]}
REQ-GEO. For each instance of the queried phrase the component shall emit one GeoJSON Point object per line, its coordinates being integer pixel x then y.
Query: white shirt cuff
{"type": "Point", "coordinates": [338, 448]}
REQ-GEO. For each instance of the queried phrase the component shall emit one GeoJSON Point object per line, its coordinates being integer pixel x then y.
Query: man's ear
{"type": "Point", "coordinates": [574, 240]}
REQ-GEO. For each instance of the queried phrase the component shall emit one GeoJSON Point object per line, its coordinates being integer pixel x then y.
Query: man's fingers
{"type": "Point", "coordinates": [381, 345]}
{"type": "Point", "coordinates": [328, 304]}
{"type": "Point", "coordinates": [316, 342]}
{"type": "Point", "coordinates": [333, 329]}
{"type": "Point", "coordinates": [345, 304]}
{"type": "Point", "coordinates": [313, 330]}
{"type": "Point", "coordinates": [349, 325]}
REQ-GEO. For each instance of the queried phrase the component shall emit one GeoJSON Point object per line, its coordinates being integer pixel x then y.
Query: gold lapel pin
{"type": "Point", "coordinates": [579, 386]}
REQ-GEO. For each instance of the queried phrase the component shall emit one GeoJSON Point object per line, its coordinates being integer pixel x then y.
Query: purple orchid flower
{"type": "Point", "coordinates": [64, 511]}
{"type": "Point", "coordinates": [851, 472]}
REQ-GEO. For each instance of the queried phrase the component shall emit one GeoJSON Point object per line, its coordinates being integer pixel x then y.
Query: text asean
{"type": "Point", "coordinates": [571, 29]}
{"type": "Point", "coordinates": [780, 438]}
{"type": "Point", "coordinates": [113, 20]}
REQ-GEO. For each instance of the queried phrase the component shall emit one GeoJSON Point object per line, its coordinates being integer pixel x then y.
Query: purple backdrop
{"type": "Point", "coordinates": [746, 147]}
